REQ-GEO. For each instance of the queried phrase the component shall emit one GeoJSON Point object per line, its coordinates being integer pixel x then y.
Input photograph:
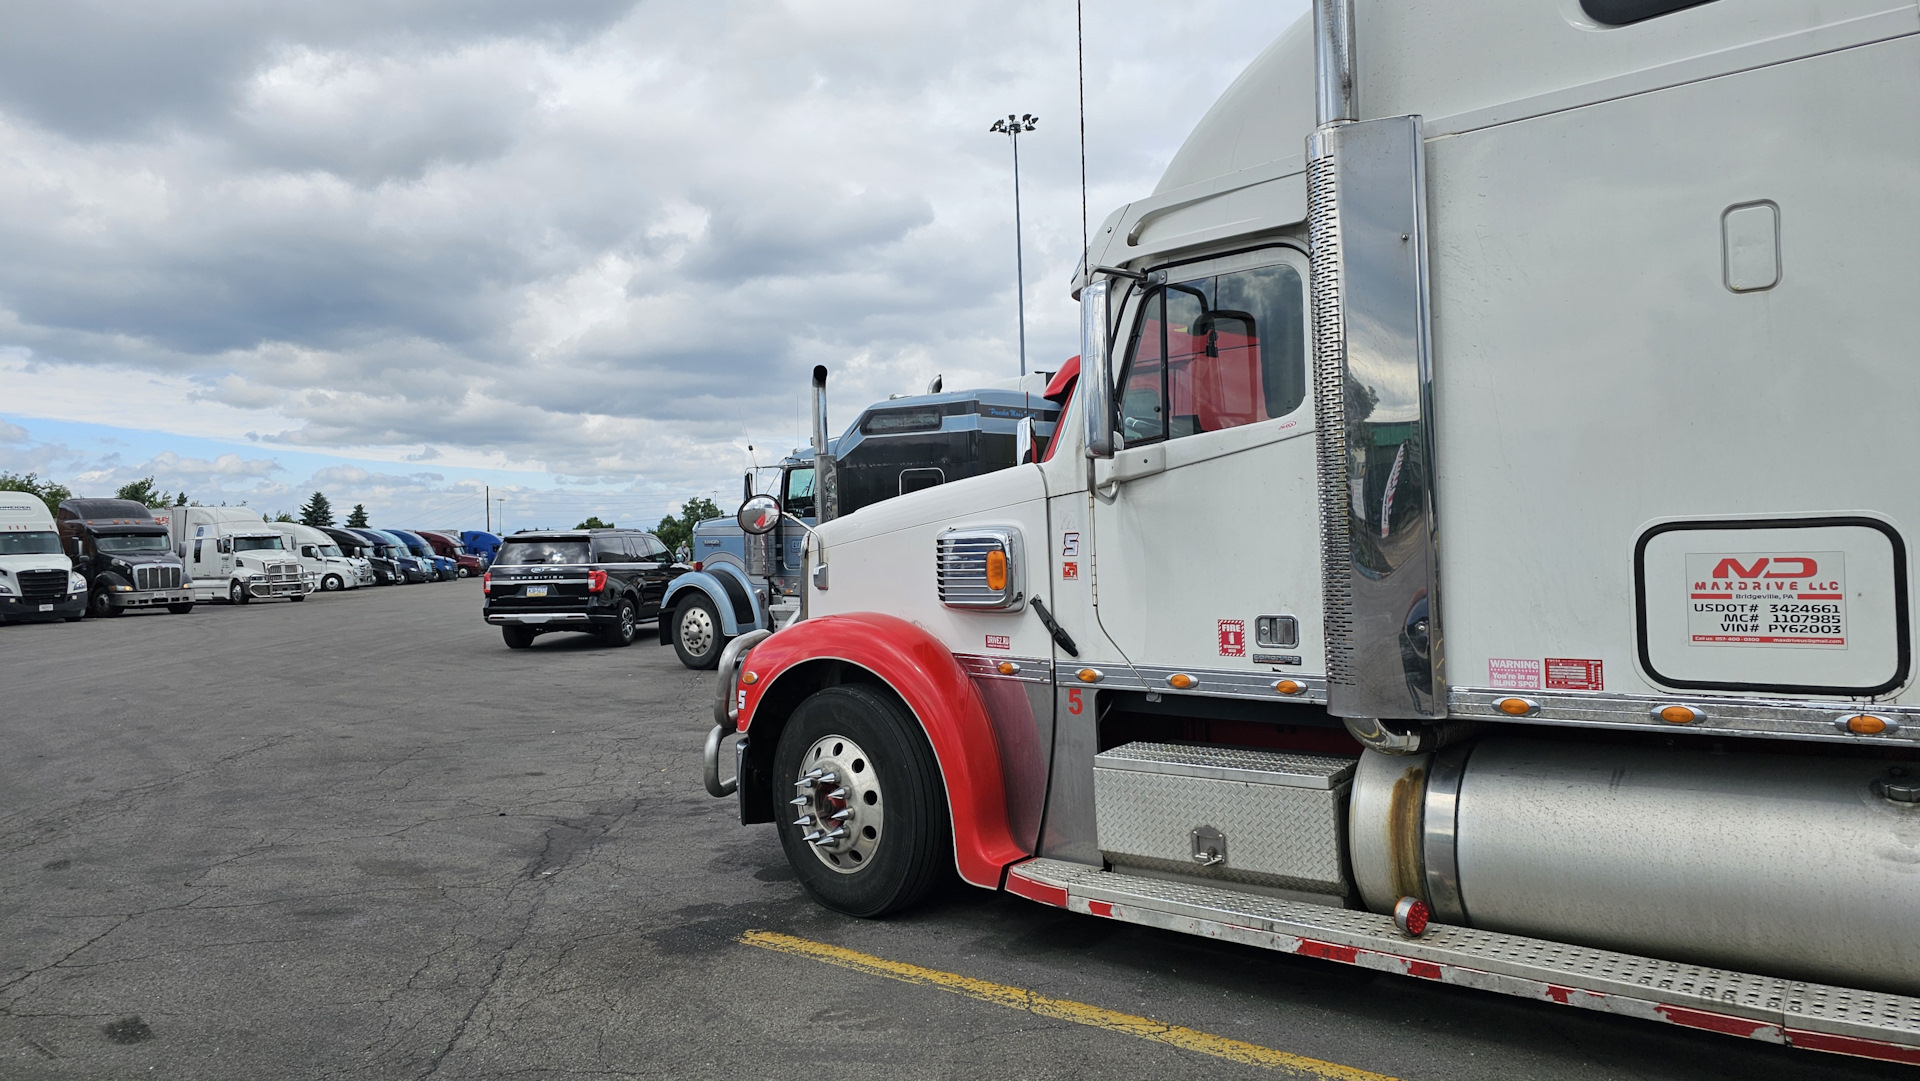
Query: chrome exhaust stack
{"type": "Point", "coordinates": [826, 480]}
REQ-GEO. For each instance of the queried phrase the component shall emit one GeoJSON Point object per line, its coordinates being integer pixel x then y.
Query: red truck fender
{"type": "Point", "coordinates": [814, 653]}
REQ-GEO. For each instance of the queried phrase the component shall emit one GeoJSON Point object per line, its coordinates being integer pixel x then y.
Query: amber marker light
{"type": "Point", "coordinates": [749, 678]}
{"type": "Point", "coordinates": [997, 570]}
{"type": "Point", "coordinates": [1866, 724]}
{"type": "Point", "coordinates": [1677, 715]}
{"type": "Point", "coordinates": [1516, 707]}
{"type": "Point", "coordinates": [1091, 675]}
{"type": "Point", "coordinates": [1289, 686]}
{"type": "Point", "coordinates": [1008, 668]}
{"type": "Point", "coordinates": [1180, 681]}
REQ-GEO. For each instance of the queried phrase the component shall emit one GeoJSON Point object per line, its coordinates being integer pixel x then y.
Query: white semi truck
{"type": "Point", "coordinates": [328, 568]}
{"type": "Point", "coordinates": [37, 580]}
{"type": "Point", "coordinates": [1547, 640]}
{"type": "Point", "coordinates": [232, 555]}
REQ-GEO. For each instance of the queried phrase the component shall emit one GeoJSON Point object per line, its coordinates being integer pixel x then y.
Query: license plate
{"type": "Point", "coordinates": [536, 591]}
{"type": "Point", "coordinates": [46, 608]}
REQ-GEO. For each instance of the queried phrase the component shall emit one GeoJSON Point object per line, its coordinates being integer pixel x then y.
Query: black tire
{"type": "Point", "coordinates": [517, 637]}
{"type": "Point", "coordinates": [626, 628]}
{"type": "Point", "coordinates": [689, 618]}
{"type": "Point", "coordinates": [464, 573]}
{"type": "Point", "coordinates": [913, 851]}
{"type": "Point", "coordinates": [180, 609]}
{"type": "Point", "coordinates": [332, 583]}
{"type": "Point", "coordinates": [73, 619]}
{"type": "Point", "coordinates": [296, 596]}
{"type": "Point", "coordinates": [237, 593]}
{"type": "Point", "coordinates": [100, 605]}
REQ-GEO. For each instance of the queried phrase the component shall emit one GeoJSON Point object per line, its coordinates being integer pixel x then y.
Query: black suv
{"type": "Point", "coordinates": [601, 580]}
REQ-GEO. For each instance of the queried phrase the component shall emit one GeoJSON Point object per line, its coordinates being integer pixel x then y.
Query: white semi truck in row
{"type": "Point", "coordinates": [328, 568]}
{"type": "Point", "coordinates": [1477, 547]}
{"type": "Point", "coordinates": [232, 555]}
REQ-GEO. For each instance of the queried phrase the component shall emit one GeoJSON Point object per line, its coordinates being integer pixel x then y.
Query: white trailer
{"type": "Point", "coordinates": [37, 581]}
{"type": "Point", "coordinates": [1549, 640]}
{"type": "Point", "coordinates": [328, 568]}
{"type": "Point", "coordinates": [232, 555]}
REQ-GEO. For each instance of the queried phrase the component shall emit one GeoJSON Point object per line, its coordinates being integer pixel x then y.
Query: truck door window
{"type": "Point", "coordinates": [798, 500]}
{"type": "Point", "coordinates": [1213, 353]}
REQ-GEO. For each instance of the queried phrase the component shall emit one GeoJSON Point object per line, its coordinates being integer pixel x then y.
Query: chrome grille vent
{"type": "Point", "coordinates": [156, 577]}
{"type": "Point", "coordinates": [963, 562]}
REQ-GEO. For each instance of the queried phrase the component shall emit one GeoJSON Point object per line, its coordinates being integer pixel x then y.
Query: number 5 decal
{"type": "Point", "coordinates": [1074, 704]}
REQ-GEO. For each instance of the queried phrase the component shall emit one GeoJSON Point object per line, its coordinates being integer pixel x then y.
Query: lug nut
{"type": "Point", "coordinates": [842, 815]}
{"type": "Point", "coordinates": [803, 820]}
{"type": "Point", "coordinates": [814, 837]}
{"type": "Point", "coordinates": [838, 793]}
{"type": "Point", "coordinates": [801, 801]}
{"type": "Point", "coordinates": [837, 834]}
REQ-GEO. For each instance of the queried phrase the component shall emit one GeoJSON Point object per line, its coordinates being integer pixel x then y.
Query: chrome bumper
{"type": "Point", "coordinates": [726, 715]}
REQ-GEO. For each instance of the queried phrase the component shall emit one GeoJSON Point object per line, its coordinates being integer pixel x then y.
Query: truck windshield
{"type": "Point", "coordinates": [799, 497]}
{"type": "Point", "coordinates": [529, 552]}
{"type": "Point", "coordinates": [250, 544]}
{"type": "Point", "coordinates": [330, 550]}
{"type": "Point", "coordinates": [130, 542]}
{"type": "Point", "coordinates": [29, 544]}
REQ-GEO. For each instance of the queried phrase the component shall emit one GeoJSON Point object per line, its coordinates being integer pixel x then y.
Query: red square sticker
{"type": "Point", "coordinates": [1575, 674]}
{"type": "Point", "coordinates": [1069, 570]}
{"type": "Point", "coordinates": [999, 641]}
{"type": "Point", "coordinates": [1233, 638]}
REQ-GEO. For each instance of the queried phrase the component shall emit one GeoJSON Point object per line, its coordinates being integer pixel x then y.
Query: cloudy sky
{"type": "Point", "coordinates": [585, 251]}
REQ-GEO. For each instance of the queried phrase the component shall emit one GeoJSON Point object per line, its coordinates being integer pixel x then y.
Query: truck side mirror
{"type": "Point", "coordinates": [1096, 369]}
{"type": "Point", "coordinates": [758, 515]}
{"type": "Point", "coordinates": [1023, 441]}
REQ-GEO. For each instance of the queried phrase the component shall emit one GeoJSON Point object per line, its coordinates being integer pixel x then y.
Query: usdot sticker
{"type": "Point", "coordinates": [1233, 638]}
{"type": "Point", "coordinates": [1514, 673]}
{"type": "Point", "coordinates": [1767, 599]}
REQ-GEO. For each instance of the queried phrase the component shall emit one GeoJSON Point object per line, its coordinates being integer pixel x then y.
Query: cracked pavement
{"type": "Point", "coordinates": [358, 837]}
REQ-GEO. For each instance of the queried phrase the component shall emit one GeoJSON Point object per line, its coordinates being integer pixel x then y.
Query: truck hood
{"type": "Point", "coordinates": [52, 561]}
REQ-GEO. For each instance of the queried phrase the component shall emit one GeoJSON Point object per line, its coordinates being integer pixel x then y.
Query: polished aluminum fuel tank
{"type": "Point", "coordinates": [1789, 865]}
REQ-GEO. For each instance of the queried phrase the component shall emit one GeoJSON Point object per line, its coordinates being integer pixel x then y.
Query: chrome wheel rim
{"type": "Point", "coordinates": [696, 631]}
{"type": "Point", "coordinates": [837, 804]}
{"type": "Point", "coordinates": [629, 621]}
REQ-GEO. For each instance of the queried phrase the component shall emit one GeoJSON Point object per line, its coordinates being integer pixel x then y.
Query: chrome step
{"type": "Point", "coordinates": [1842, 1020]}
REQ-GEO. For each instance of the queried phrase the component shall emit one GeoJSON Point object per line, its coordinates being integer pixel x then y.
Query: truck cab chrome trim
{"type": "Point", "coordinates": [1780, 718]}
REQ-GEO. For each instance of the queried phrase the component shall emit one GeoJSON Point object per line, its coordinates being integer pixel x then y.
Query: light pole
{"type": "Point", "coordinates": [1011, 127]}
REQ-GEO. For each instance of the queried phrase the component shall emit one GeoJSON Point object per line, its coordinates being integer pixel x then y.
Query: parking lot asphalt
{"type": "Point", "coordinates": [358, 837]}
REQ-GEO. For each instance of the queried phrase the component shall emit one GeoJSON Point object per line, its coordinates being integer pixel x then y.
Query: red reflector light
{"type": "Point", "coordinates": [596, 581]}
{"type": "Point", "coordinates": [1411, 916]}
{"type": "Point", "coordinates": [486, 582]}
{"type": "Point", "coordinates": [696, 564]}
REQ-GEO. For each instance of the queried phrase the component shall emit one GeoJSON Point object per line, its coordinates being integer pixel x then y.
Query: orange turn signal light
{"type": "Point", "coordinates": [1090, 675]}
{"type": "Point", "coordinates": [1289, 686]}
{"type": "Point", "coordinates": [1866, 724]}
{"type": "Point", "coordinates": [997, 570]}
{"type": "Point", "coordinates": [1677, 715]}
{"type": "Point", "coordinates": [1180, 681]}
{"type": "Point", "coordinates": [1516, 707]}
{"type": "Point", "coordinates": [749, 678]}
{"type": "Point", "coordinates": [1007, 668]}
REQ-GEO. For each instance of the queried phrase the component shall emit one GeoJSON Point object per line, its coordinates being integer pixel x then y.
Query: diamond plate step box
{"type": "Point", "coordinates": [1229, 814]}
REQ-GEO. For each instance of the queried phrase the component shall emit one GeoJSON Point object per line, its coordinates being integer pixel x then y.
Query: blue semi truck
{"type": "Point", "coordinates": [895, 447]}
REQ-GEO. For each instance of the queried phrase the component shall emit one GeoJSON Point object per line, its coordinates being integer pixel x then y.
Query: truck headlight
{"type": "Point", "coordinates": [75, 583]}
{"type": "Point", "coordinates": [6, 589]}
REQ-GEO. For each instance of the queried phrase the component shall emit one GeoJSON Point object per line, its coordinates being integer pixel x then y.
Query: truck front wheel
{"type": "Point", "coordinates": [863, 811]}
{"type": "Point", "coordinates": [180, 609]}
{"type": "Point", "coordinates": [696, 633]}
{"type": "Point", "coordinates": [101, 604]}
{"type": "Point", "coordinates": [237, 593]}
{"type": "Point", "coordinates": [333, 583]}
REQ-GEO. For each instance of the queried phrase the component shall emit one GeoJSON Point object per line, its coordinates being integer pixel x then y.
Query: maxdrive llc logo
{"type": "Point", "coordinates": [1793, 574]}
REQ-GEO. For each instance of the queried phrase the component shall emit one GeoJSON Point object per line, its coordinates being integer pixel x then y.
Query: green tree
{"type": "Point", "coordinates": [181, 499]}
{"type": "Point", "coordinates": [357, 517]}
{"type": "Point", "coordinates": [50, 493]}
{"type": "Point", "coordinates": [593, 522]}
{"type": "Point", "coordinates": [283, 516]}
{"type": "Point", "coordinates": [317, 512]}
{"type": "Point", "coordinates": [144, 493]}
{"type": "Point", "coordinates": [677, 532]}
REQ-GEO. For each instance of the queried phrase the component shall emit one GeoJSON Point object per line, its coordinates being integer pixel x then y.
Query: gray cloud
{"type": "Point", "coordinates": [603, 239]}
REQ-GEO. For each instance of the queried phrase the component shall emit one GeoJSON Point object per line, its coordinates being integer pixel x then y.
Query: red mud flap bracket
{"type": "Point", "coordinates": [1846, 1021]}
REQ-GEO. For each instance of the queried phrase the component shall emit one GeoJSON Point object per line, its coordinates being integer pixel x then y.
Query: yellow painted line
{"type": "Point", "coordinates": [1060, 1009]}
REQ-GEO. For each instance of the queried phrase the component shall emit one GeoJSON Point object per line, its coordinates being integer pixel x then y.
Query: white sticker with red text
{"type": "Point", "coordinates": [1767, 599]}
{"type": "Point", "coordinates": [999, 641]}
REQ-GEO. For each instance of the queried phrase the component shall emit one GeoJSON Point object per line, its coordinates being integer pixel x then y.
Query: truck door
{"type": "Point", "coordinates": [1206, 530]}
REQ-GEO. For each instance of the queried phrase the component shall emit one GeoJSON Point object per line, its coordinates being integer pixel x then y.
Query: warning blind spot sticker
{"type": "Point", "coordinates": [1767, 599]}
{"type": "Point", "coordinates": [1514, 674]}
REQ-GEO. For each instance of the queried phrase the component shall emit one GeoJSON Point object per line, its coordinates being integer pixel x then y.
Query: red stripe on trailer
{"type": "Point", "coordinates": [1327, 951]}
{"type": "Point", "coordinates": [1854, 1045]}
{"type": "Point", "coordinates": [1426, 970]}
{"type": "Point", "coordinates": [1100, 908]}
{"type": "Point", "coordinates": [1043, 892]}
{"type": "Point", "coordinates": [1718, 1022]}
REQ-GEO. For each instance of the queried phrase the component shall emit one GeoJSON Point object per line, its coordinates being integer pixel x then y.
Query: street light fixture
{"type": "Point", "coordinates": [1011, 127]}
